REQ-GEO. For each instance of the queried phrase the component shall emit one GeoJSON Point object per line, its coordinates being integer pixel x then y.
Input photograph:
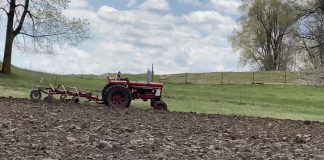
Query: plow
{"type": "Point", "coordinates": [116, 93]}
{"type": "Point", "coordinates": [65, 93]}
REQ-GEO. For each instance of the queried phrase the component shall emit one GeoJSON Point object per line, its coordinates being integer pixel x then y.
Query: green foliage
{"type": "Point", "coordinates": [263, 38]}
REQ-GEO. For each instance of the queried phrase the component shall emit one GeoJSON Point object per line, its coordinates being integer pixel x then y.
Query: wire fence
{"type": "Point", "coordinates": [275, 77]}
{"type": "Point", "coordinates": [92, 82]}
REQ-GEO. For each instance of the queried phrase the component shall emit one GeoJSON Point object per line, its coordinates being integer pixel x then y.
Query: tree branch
{"type": "Point", "coordinates": [3, 9]}
{"type": "Point", "coordinates": [309, 48]}
{"type": "Point", "coordinates": [20, 5]}
{"type": "Point", "coordinates": [33, 21]}
{"type": "Point", "coordinates": [42, 36]}
{"type": "Point", "coordinates": [22, 19]}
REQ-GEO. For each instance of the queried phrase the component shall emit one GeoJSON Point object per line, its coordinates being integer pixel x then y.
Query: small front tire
{"type": "Point", "coordinates": [152, 102]}
{"type": "Point", "coordinates": [160, 105]}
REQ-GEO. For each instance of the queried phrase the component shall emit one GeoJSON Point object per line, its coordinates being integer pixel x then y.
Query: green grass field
{"type": "Point", "coordinates": [277, 101]}
{"type": "Point", "coordinates": [199, 95]}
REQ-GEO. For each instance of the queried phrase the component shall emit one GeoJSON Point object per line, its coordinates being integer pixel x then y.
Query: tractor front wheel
{"type": "Point", "coordinates": [118, 96]}
{"type": "Point", "coordinates": [152, 102]}
{"type": "Point", "coordinates": [160, 105]}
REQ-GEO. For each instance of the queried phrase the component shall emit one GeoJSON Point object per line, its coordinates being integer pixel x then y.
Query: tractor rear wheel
{"type": "Point", "coordinates": [104, 95]}
{"type": "Point", "coordinates": [118, 96]}
{"type": "Point", "coordinates": [160, 105]}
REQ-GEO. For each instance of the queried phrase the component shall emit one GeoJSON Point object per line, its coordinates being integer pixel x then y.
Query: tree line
{"type": "Point", "coordinates": [274, 34]}
{"type": "Point", "coordinates": [281, 34]}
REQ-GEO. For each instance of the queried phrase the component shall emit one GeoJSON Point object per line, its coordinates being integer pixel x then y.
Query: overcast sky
{"type": "Point", "coordinates": [130, 35]}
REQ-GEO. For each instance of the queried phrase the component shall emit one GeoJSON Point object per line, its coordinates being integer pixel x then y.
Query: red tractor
{"type": "Point", "coordinates": [120, 93]}
{"type": "Point", "coordinates": [117, 93]}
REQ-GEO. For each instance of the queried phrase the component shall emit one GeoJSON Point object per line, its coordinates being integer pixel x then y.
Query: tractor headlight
{"type": "Point", "coordinates": [158, 92]}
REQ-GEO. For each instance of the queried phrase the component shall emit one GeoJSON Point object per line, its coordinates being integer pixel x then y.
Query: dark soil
{"type": "Point", "coordinates": [39, 130]}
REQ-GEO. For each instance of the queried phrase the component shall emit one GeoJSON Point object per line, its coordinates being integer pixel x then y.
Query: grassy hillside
{"type": "Point", "coordinates": [200, 94]}
{"type": "Point", "coordinates": [278, 101]}
{"type": "Point", "coordinates": [26, 78]}
{"type": "Point", "coordinates": [29, 79]}
{"type": "Point", "coordinates": [22, 78]}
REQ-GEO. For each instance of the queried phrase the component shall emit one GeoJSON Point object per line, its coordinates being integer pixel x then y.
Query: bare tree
{"type": "Point", "coordinates": [311, 31]}
{"type": "Point", "coordinates": [39, 22]}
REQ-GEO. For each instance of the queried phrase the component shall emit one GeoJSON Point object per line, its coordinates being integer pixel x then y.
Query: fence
{"type": "Point", "coordinates": [274, 77]}
{"type": "Point", "coordinates": [312, 77]}
{"type": "Point", "coordinates": [92, 82]}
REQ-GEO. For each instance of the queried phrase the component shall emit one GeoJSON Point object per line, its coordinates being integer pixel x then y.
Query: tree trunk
{"type": "Point", "coordinates": [268, 62]}
{"type": "Point", "coordinates": [275, 61]}
{"type": "Point", "coordinates": [269, 54]}
{"type": "Point", "coordinates": [321, 51]}
{"type": "Point", "coordinates": [6, 66]}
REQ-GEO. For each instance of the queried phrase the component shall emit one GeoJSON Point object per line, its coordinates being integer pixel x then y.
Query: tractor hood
{"type": "Point", "coordinates": [136, 84]}
{"type": "Point", "coordinates": [151, 84]}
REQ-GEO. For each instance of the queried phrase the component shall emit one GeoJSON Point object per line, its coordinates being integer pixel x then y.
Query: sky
{"type": "Point", "coordinates": [129, 35]}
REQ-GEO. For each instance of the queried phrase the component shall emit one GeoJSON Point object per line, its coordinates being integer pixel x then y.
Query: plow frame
{"type": "Point", "coordinates": [65, 92]}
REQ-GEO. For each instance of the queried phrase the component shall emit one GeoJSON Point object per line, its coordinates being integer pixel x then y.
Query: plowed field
{"type": "Point", "coordinates": [40, 130]}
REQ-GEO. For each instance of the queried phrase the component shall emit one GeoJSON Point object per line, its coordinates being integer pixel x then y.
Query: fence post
{"type": "Point", "coordinates": [286, 77]}
{"type": "Point", "coordinates": [222, 78]}
{"type": "Point", "coordinates": [186, 78]}
{"type": "Point", "coordinates": [253, 79]}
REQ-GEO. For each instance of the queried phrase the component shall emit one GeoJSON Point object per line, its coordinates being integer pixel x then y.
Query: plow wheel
{"type": "Point", "coordinates": [160, 105]}
{"type": "Point", "coordinates": [76, 100]}
{"type": "Point", "coordinates": [118, 96]}
{"type": "Point", "coordinates": [35, 95]}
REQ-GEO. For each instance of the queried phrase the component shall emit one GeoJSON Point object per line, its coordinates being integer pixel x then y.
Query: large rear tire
{"type": "Point", "coordinates": [104, 94]}
{"type": "Point", "coordinates": [118, 96]}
